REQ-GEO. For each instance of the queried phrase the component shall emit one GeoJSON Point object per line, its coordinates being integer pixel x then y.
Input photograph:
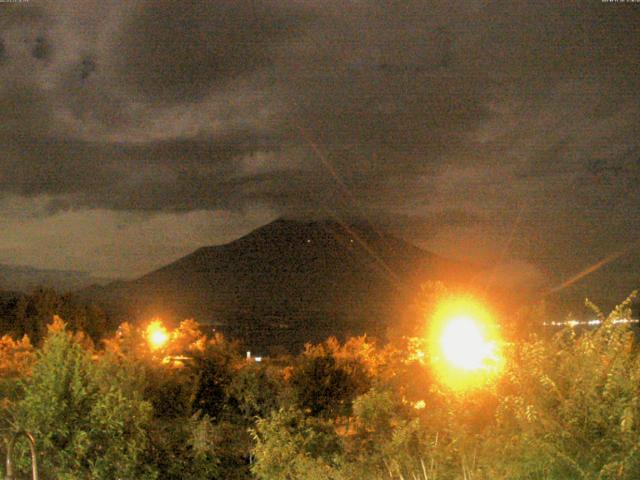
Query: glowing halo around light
{"type": "Point", "coordinates": [464, 343]}
{"type": "Point", "coordinates": [157, 335]}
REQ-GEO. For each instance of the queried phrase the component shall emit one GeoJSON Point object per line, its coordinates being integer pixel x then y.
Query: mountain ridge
{"type": "Point", "coordinates": [285, 283]}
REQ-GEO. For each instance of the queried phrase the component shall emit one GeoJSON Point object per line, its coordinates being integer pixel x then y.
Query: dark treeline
{"type": "Point", "coordinates": [29, 314]}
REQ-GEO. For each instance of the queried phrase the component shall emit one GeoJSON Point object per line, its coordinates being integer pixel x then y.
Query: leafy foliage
{"type": "Point", "coordinates": [572, 404]}
{"type": "Point", "coordinates": [87, 424]}
{"type": "Point", "coordinates": [292, 445]}
{"type": "Point", "coordinates": [328, 377]}
{"type": "Point", "coordinates": [567, 406]}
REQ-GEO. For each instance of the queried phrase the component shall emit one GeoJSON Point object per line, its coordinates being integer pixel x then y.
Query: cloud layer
{"type": "Point", "coordinates": [461, 124]}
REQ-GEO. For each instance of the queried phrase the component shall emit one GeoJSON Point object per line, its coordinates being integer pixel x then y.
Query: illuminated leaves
{"type": "Point", "coordinates": [87, 423]}
{"type": "Point", "coordinates": [16, 357]}
{"type": "Point", "coordinates": [575, 402]}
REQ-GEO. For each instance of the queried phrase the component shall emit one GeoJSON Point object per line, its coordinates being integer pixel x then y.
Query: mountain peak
{"type": "Point", "coordinates": [360, 234]}
{"type": "Point", "coordinates": [286, 283]}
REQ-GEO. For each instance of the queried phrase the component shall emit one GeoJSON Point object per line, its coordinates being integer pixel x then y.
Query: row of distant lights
{"type": "Point", "coordinates": [575, 323]}
{"type": "Point", "coordinates": [309, 240]}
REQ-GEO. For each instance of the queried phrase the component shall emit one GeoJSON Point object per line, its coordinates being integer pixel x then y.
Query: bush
{"type": "Point", "coordinates": [87, 422]}
{"type": "Point", "coordinates": [571, 406]}
{"type": "Point", "coordinates": [291, 445]}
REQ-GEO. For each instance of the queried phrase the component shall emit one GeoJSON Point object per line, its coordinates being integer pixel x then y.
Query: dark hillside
{"type": "Point", "coordinates": [286, 283]}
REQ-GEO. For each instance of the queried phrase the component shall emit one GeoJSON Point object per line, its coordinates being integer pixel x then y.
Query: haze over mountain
{"type": "Point", "coordinates": [24, 278]}
{"type": "Point", "coordinates": [286, 283]}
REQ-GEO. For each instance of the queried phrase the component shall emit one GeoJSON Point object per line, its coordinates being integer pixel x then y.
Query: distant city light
{"type": "Point", "coordinates": [592, 322]}
{"type": "Point", "coordinates": [252, 358]}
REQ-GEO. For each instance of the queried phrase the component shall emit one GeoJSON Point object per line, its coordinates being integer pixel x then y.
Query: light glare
{"type": "Point", "coordinates": [157, 335]}
{"type": "Point", "coordinates": [464, 343]}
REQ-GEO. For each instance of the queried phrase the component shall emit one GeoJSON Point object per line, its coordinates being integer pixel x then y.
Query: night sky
{"type": "Point", "coordinates": [502, 132]}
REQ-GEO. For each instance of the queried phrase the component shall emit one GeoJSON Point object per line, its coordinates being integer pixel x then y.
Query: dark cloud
{"type": "Point", "coordinates": [174, 176]}
{"type": "Point", "coordinates": [179, 51]}
{"type": "Point", "coordinates": [41, 49]}
{"type": "Point", "coordinates": [87, 67]}
{"type": "Point", "coordinates": [495, 113]}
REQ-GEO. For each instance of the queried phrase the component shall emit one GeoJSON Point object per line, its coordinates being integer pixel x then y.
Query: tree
{"type": "Point", "coordinates": [30, 314]}
{"type": "Point", "coordinates": [183, 442]}
{"type": "Point", "coordinates": [327, 377]}
{"type": "Point", "coordinates": [290, 445]}
{"type": "Point", "coordinates": [213, 369]}
{"type": "Point", "coordinates": [570, 407]}
{"type": "Point", "coordinates": [256, 389]}
{"type": "Point", "coordinates": [16, 359]}
{"type": "Point", "coordinates": [322, 388]}
{"type": "Point", "coordinates": [88, 420]}
{"type": "Point", "coordinates": [184, 448]}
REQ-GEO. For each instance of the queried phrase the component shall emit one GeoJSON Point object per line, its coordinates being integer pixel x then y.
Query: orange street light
{"type": "Point", "coordinates": [157, 335]}
{"type": "Point", "coordinates": [464, 343]}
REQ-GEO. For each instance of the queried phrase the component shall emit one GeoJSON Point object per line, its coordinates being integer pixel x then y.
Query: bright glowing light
{"type": "Point", "coordinates": [157, 335]}
{"type": "Point", "coordinates": [464, 343]}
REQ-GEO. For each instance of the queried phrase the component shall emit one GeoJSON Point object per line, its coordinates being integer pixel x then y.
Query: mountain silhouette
{"type": "Point", "coordinates": [286, 283]}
